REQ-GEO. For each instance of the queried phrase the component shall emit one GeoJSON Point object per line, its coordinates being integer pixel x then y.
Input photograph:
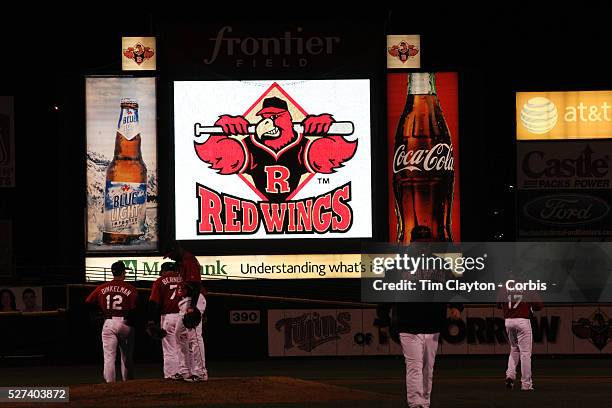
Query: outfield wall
{"type": "Point", "coordinates": [559, 329]}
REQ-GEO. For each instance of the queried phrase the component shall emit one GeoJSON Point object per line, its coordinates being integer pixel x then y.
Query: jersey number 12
{"type": "Point", "coordinates": [115, 304]}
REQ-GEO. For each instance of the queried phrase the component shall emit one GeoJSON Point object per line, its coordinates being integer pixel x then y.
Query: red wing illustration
{"type": "Point", "coordinates": [224, 154]}
{"type": "Point", "coordinates": [148, 53]}
{"type": "Point", "coordinates": [393, 51]}
{"type": "Point", "coordinates": [129, 53]}
{"type": "Point", "coordinates": [328, 153]}
{"type": "Point", "coordinates": [412, 52]}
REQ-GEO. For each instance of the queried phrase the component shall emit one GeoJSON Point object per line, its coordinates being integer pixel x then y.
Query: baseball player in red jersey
{"type": "Point", "coordinates": [164, 301]}
{"type": "Point", "coordinates": [117, 299]}
{"type": "Point", "coordinates": [190, 270]}
{"type": "Point", "coordinates": [192, 305]}
{"type": "Point", "coordinates": [518, 306]}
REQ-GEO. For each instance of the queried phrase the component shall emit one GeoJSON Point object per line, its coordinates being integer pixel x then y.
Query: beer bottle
{"type": "Point", "coordinates": [423, 169]}
{"type": "Point", "coordinates": [125, 197]}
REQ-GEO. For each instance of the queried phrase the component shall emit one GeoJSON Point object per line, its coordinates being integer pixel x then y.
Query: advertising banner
{"type": "Point", "coordinates": [7, 142]}
{"type": "Point", "coordinates": [564, 189]}
{"type": "Point", "coordinates": [571, 165]}
{"type": "Point", "coordinates": [555, 330]}
{"type": "Point", "coordinates": [252, 49]}
{"type": "Point", "coordinates": [569, 214]}
{"type": "Point", "coordinates": [307, 266]}
{"type": "Point", "coordinates": [121, 164]}
{"type": "Point", "coordinates": [423, 140]}
{"type": "Point", "coordinates": [138, 54]}
{"type": "Point", "coordinates": [403, 51]}
{"type": "Point", "coordinates": [592, 329]}
{"type": "Point", "coordinates": [563, 115]}
{"type": "Point", "coordinates": [21, 299]}
{"type": "Point", "coordinates": [265, 159]}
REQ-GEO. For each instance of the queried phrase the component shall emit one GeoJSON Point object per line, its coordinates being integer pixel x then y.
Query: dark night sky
{"type": "Point", "coordinates": [45, 58]}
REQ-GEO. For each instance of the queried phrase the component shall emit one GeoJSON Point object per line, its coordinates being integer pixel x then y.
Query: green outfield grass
{"type": "Point", "coordinates": [458, 382]}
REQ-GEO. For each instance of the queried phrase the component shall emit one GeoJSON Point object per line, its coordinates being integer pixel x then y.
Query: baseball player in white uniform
{"type": "Point", "coordinates": [193, 361]}
{"type": "Point", "coordinates": [164, 306]}
{"type": "Point", "coordinates": [517, 307]}
{"type": "Point", "coordinates": [417, 327]}
{"type": "Point", "coordinates": [117, 299]}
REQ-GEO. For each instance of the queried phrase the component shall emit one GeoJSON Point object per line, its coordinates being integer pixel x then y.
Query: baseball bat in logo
{"type": "Point", "coordinates": [337, 128]}
{"type": "Point", "coordinates": [276, 148]}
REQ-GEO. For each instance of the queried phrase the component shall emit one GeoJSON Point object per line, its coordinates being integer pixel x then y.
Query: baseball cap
{"type": "Point", "coordinates": [273, 105]}
{"type": "Point", "coordinates": [118, 268]}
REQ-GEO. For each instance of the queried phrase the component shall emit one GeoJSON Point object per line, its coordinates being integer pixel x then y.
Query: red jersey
{"type": "Point", "coordinates": [189, 268]}
{"type": "Point", "coordinates": [116, 298]}
{"type": "Point", "coordinates": [166, 292]}
{"type": "Point", "coordinates": [518, 304]}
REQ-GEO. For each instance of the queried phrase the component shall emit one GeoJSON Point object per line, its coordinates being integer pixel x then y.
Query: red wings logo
{"type": "Point", "coordinates": [597, 328]}
{"type": "Point", "coordinates": [139, 53]}
{"type": "Point", "coordinates": [276, 148]}
{"type": "Point", "coordinates": [403, 51]}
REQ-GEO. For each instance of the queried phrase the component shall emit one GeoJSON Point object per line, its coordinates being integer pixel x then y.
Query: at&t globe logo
{"type": "Point", "coordinates": [539, 115]}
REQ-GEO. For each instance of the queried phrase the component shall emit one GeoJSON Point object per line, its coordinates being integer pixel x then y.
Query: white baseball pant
{"type": "Point", "coordinates": [192, 359]}
{"type": "Point", "coordinates": [170, 345]}
{"type": "Point", "coordinates": [420, 355]}
{"type": "Point", "coordinates": [115, 332]}
{"type": "Point", "coordinates": [521, 340]}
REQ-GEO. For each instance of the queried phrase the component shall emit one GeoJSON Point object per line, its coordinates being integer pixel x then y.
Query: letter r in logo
{"type": "Point", "coordinates": [276, 177]}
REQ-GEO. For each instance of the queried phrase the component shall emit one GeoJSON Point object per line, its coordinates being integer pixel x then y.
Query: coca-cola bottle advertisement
{"type": "Point", "coordinates": [423, 140]}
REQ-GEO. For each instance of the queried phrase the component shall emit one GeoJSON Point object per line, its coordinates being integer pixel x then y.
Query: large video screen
{"type": "Point", "coordinates": [272, 159]}
{"type": "Point", "coordinates": [121, 164]}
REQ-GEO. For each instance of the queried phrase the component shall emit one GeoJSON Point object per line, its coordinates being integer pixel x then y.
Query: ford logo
{"type": "Point", "coordinates": [566, 209]}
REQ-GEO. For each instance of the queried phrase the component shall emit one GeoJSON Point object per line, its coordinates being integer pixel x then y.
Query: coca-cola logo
{"type": "Point", "coordinates": [438, 158]}
{"type": "Point", "coordinates": [536, 165]}
{"type": "Point", "coordinates": [566, 209]}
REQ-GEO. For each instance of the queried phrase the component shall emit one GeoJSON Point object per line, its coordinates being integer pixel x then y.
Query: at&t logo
{"type": "Point", "coordinates": [539, 115]}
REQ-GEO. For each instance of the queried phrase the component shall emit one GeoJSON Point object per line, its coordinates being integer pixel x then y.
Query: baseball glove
{"type": "Point", "coordinates": [192, 319]}
{"type": "Point", "coordinates": [155, 331]}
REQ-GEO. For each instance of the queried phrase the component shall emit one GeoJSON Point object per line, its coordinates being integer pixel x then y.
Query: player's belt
{"type": "Point", "coordinates": [170, 314]}
{"type": "Point", "coordinates": [115, 318]}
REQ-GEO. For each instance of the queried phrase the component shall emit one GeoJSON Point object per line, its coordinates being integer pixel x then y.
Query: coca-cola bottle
{"type": "Point", "coordinates": [423, 172]}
